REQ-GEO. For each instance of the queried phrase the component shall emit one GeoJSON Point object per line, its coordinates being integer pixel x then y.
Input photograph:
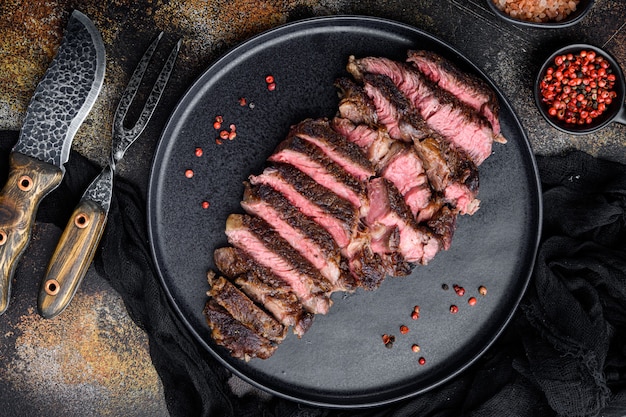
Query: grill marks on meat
{"type": "Point", "coordinates": [344, 203]}
{"type": "Point", "coordinates": [337, 147]}
{"type": "Point", "coordinates": [451, 174]}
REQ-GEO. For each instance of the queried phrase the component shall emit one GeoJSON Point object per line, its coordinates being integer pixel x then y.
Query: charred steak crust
{"type": "Point", "coordinates": [336, 146]}
{"type": "Point", "coordinates": [244, 309]}
{"type": "Point", "coordinates": [294, 217]}
{"type": "Point", "coordinates": [230, 333]}
{"type": "Point", "coordinates": [311, 160]}
{"type": "Point", "coordinates": [265, 288]}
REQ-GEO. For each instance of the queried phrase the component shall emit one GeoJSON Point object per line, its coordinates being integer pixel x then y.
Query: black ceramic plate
{"type": "Point", "coordinates": [341, 361]}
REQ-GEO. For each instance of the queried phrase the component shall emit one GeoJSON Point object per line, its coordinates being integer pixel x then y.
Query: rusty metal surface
{"type": "Point", "coordinates": [93, 353]}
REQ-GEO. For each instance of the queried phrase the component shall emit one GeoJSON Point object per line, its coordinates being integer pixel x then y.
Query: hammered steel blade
{"type": "Point", "coordinates": [65, 95]}
{"type": "Point", "coordinates": [59, 105]}
{"type": "Point", "coordinates": [79, 241]}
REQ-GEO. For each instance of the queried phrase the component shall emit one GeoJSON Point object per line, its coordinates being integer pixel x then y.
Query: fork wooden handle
{"type": "Point", "coordinates": [71, 258]}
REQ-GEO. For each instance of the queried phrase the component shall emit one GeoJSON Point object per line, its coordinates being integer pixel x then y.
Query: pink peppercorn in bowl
{"type": "Point", "coordinates": [542, 14]}
{"type": "Point", "coordinates": [580, 89]}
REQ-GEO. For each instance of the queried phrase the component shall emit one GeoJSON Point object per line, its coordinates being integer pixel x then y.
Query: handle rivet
{"type": "Point", "coordinates": [81, 220]}
{"type": "Point", "coordinates": [3, 237]}
{"type": "Point", "coordinates": [52, 287]}
{"type": "Point", "coordinates": [25, 183]}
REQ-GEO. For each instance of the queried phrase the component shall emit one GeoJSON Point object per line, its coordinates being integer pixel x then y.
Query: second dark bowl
{"type": "Point", "coordinates": [615, 112]}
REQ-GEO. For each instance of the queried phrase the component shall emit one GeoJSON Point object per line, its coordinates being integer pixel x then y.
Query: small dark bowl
{"type": "Point", "coordinates": [616, 111]}
{"type": "Point", "coordinates": [581, 11]}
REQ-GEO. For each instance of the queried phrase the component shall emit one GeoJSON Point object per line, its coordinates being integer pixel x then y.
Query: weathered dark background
{"type": "Point", "coordinates": [92, 359]}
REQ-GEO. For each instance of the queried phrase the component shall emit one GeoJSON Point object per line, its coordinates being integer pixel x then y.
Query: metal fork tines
{"type": "Point", "coordinates": [80, 239]}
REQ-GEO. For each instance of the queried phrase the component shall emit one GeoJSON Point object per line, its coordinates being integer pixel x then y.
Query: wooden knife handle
{"type": "Point", "coordinates": [71, 258]}
{"type": "Point", "coordinates": [30, 180]}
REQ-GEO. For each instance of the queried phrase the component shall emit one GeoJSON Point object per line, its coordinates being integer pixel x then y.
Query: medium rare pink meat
{"type": "Point", "coordinates": [466, 87]}
{"type": "Point", "coordinates": [442, 111]}
{"type": "Point", "coordinates": [406, 171]}
{"type": "Point", "coordinates": [445, 166]}
{"type": "Point", "coordinates": [306, 236]}
{"type": "Point", "coordinates": [331, 212]}
{"type": "Point", "coordinates": [310, 159]}
{"type": "Point", "coordinates": [375, 142]}
{"type": "Point", "coordinates": [388, 210]}
{"type": "Point", "coordinates": [344, 153]}
{"type": "Point", "coordinates": [344, 203]}
{"type": "Point", "coordinates": [312, 292]}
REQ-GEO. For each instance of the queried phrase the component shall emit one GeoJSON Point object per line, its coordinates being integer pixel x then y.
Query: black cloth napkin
{"type": "Point", "coordinates": [564, 353]}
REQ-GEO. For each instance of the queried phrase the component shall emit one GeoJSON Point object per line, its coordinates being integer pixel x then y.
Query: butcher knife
{"type": "Point", "coordinates": [61, 101]}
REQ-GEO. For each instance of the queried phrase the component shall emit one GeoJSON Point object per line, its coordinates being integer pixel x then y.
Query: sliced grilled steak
{"type": "Point", "coordinates": [310, 159]}
{"type": "Point", "coordinates": [265, 288]}
{"type": "Point", "coordinates": [443, 225]}
{"type": "Point", "coordinates": [393, 108]}
{"type": "Point", "coordinates": [344, 153]}
{"type": "Point", "coordinates": [344, 203]}
{"type": "Point", "coordinates": [244, 309]}
{"type": "Point", "coordinates": [230, 333]}
{"type": "Point", "coordinates": [375, 142]}
{"type": "Point", "coordinates": [450, 171]}
{"type": "Point", "coordinates": [255, 237]}
{"type": "Point", "coordinates": [466, 87]}
{"type": "Point", "coordinates": [387, 211]}
{"type": "Point", "coordinates": [330, 211]}
{"type": "Point", "coordinates": [405, 170]}
{"type": "Point", "coordinates": [442, 111]}
{"type": "Point", "coordinates": [306, 236]}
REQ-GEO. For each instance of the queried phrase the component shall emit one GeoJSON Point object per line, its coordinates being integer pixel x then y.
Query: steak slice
{"type": "Point", "coordinates": [334, 214]}
{"type": "Point", "coordinates": [310, 159]}
{"type": "Point", "coordinates": [375, 142]}
{"type": "Point", "coordinates": [405, 170]}
{"type": "Point", "coordinates": [255, 237]}
{"type": "Point", "coordinates": [306, 236]}
{"type": "Point", "coordinates": [465, 86]}
{"type": "Point", "coordinates": [388, 211]}
{"type": "Point", "coordinates": [230, 333]}
{"type": "Point", "coordinates": [344, 153]}
{"type": "Point", "coordinates": [265, 288]}
{"type": "Point", "coordinates": [244, 310]}
{"type": "Point", "coordinates": [442, 111]}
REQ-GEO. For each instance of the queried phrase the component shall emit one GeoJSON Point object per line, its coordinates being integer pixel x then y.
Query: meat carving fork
{"type": "Point", "coordinates": [79, 241]}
